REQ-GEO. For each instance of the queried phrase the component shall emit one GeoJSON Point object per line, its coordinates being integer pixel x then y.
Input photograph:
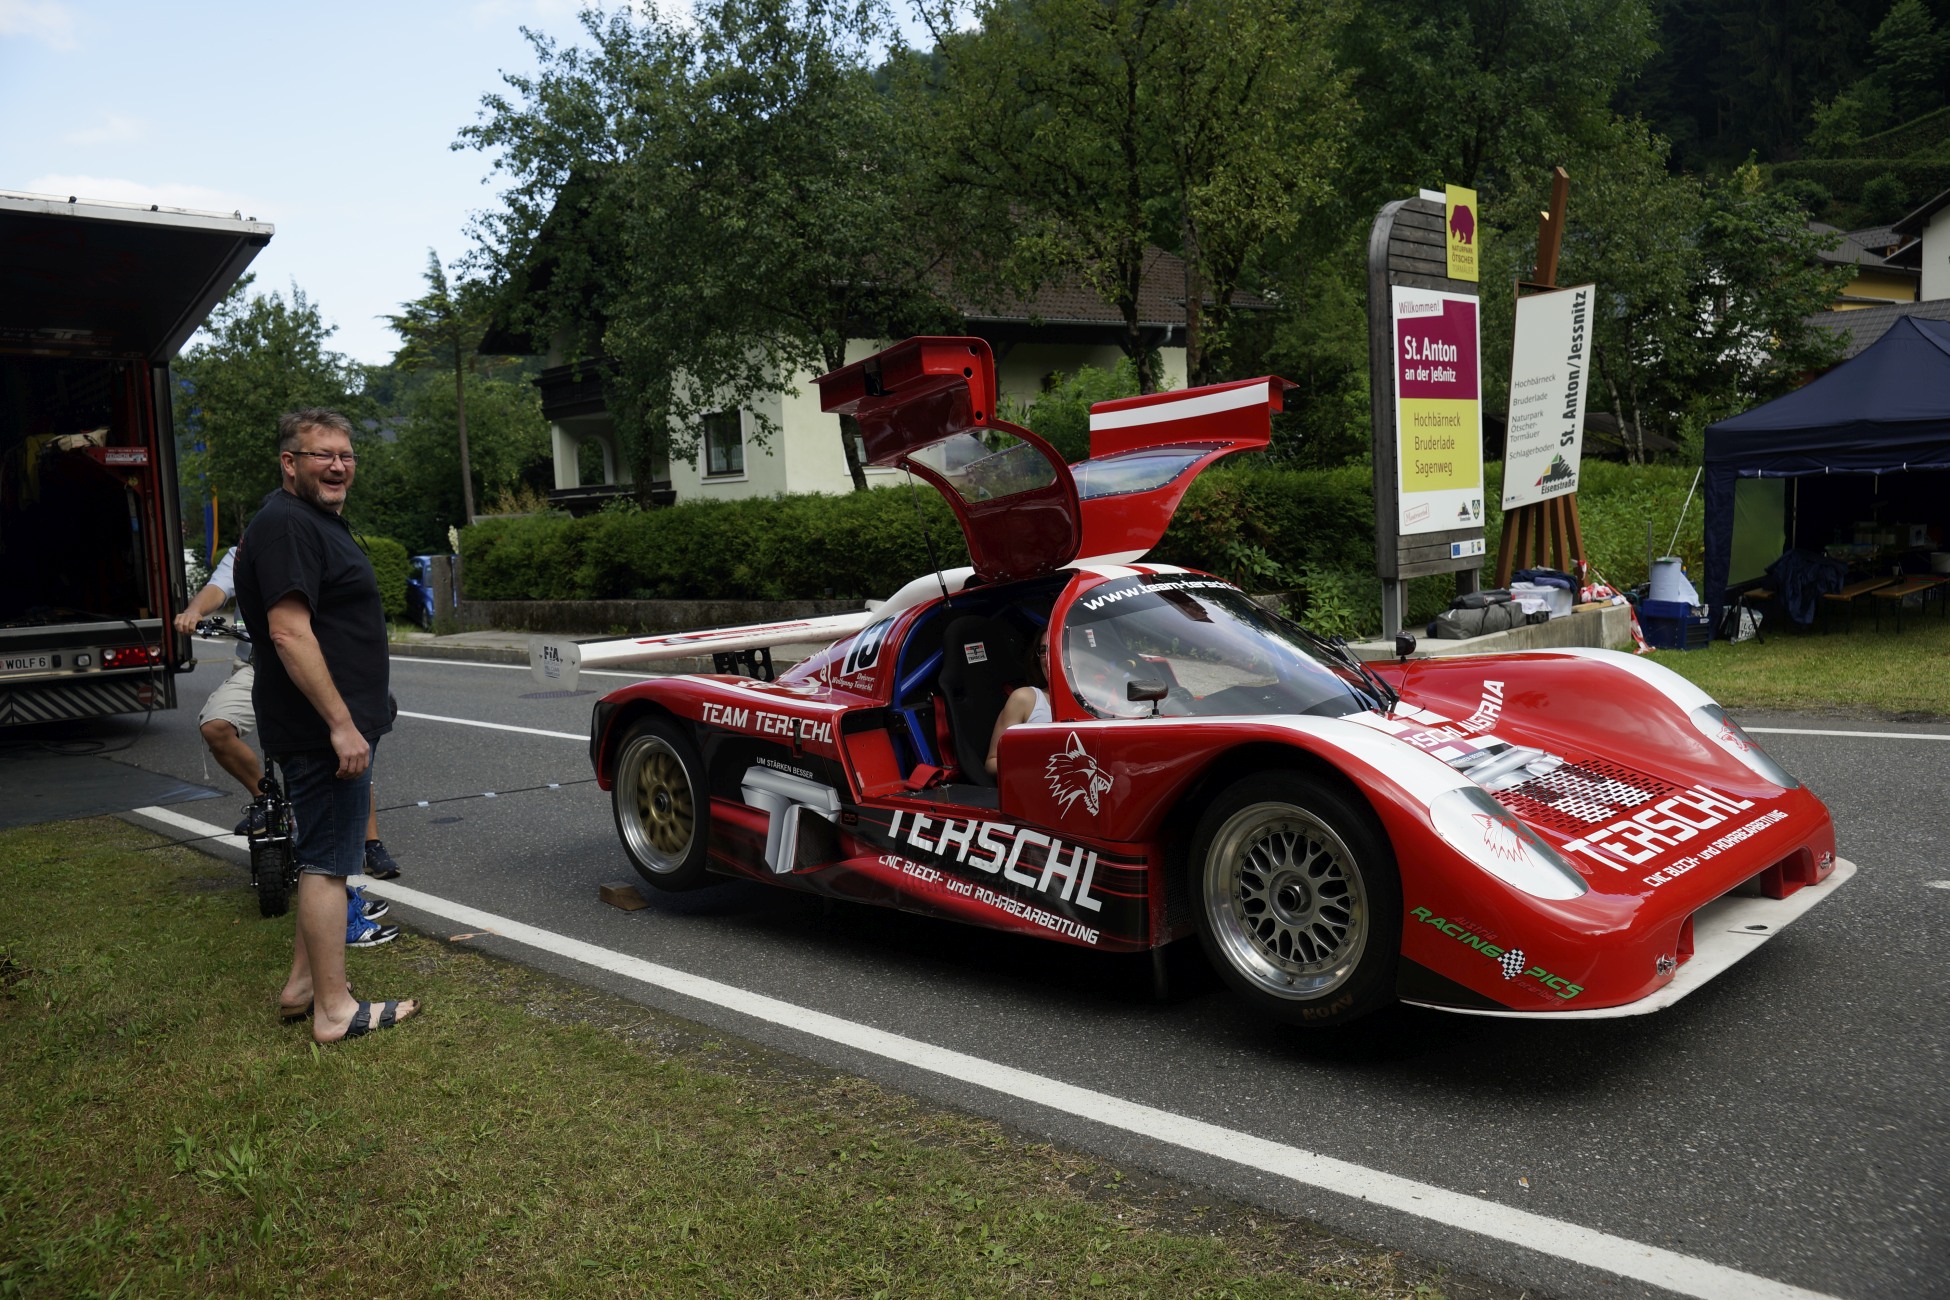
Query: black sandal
{"type": "Point", "coordinates": [363, 1021]}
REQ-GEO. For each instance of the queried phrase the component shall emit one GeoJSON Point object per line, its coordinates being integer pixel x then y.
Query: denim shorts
{"type": "Point", "coordinates": [330, 836]}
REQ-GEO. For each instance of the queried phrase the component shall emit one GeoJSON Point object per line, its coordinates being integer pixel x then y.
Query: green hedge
{"type": "Point", "coordinates": [389, 566]}
{"type": "Point", "coordinates": [1912, 137]}
{"type": "Point", "coordinates": [1266, 528]}
{"type": "Point", "coordinates": [853, 547]}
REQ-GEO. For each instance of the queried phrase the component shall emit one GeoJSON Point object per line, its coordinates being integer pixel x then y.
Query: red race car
{"type": "Point", "coordinates": [1563, 833]}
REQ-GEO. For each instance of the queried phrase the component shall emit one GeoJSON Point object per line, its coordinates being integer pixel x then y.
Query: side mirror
{"type": "Point", "coordinates": [1404, 645]}
{"type": "Point", "coordinates": [1143, 690]}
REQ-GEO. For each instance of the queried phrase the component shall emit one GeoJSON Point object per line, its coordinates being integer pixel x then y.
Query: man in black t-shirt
{"type": "Point", "coordinates": [320, 698]}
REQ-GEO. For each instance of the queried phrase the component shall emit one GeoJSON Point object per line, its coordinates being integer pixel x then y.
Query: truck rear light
{"type": "Point", "coordinates": [131, 656]}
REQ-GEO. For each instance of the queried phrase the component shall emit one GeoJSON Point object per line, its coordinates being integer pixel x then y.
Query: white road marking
{"type": "Point", "coordinates": [1619, 1256]}
{"type": "Point", "coordinates": [583, 736]}
{"type": "Point", "coordinates": [1936, 884]}
{"type": "Point", "coordinates": [195, 827]}
{"type": "Point", "coordinates": [1855, 735]}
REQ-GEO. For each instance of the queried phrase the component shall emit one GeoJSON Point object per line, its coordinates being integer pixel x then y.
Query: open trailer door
{"type": "Point", "coordinates": [95, 298]}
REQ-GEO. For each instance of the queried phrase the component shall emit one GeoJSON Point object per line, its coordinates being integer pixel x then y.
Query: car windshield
{"type": "Point", "coordinates": [1216, 652]}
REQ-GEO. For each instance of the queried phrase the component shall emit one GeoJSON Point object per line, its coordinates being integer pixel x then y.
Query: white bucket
{"type": "Point", "coordinates": [1669, 582]}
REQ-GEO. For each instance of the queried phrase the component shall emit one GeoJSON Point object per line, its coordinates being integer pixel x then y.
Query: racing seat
{"type": "Point", "coordinates": [980, 657]}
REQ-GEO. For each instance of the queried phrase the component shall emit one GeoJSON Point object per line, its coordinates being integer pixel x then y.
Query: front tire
{"type": "Point", "coordinates": [1298, 900]}
{"type": "Point", "coordinates": [270, 872]}
{"type": "Point", "coordinates": [662, 805]}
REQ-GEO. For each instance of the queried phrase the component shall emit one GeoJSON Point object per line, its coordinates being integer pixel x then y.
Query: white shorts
{"type": "Point", "coordinates": [231, 702]}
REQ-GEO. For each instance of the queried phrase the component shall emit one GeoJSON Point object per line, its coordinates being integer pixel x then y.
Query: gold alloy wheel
{"type": "Point", "coordinates": [660, 806]}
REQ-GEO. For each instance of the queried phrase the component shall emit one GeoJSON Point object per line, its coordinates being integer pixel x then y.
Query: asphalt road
{"type": "Point", "coordinates": [1787, 1122]}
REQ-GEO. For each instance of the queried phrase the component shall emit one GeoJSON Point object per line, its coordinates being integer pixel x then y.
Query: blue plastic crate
{"type": "Point", "coordinates": [1672, 625]}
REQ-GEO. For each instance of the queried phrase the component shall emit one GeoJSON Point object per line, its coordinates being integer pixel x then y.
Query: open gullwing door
{"type": "Point", "coordinates": [1145, 452]}
{"type": "Point", "coordinates": [928, 405]}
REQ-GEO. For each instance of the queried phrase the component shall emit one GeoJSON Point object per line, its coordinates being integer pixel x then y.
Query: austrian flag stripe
{"type": "Point", "coordinates": [1169, 408]}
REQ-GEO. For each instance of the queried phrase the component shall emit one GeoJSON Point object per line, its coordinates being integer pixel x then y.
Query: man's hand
{"type": "Point", "coordinates": [205, 602]}
{"type": "Point", "coordinates": [355, 755]}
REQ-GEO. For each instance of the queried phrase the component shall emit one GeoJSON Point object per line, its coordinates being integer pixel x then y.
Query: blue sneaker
{"type": "Point", "coordinates": [361, 933]}
{"type": "Point", "coordinates": [370, 909]}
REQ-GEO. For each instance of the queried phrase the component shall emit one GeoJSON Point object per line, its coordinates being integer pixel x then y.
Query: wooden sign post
{"type": "Point", "coordinates": [1544, 534]}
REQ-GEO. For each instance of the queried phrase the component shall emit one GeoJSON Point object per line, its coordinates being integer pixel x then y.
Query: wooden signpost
{"type": "Point", "coordinates": [1544, 534]}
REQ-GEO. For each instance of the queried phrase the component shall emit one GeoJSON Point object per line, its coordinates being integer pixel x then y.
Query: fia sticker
{"type": "Point", "coordinates": [978, 653]}
{"type": "Point", "coordinates": [1090, 635]}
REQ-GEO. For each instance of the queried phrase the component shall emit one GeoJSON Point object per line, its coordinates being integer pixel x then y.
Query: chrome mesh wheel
{"type": "Point", "coordinates": [1285, 901]}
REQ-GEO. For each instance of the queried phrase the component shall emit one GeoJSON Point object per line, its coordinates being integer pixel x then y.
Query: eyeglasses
{"type": "Point", "coordinates": [327, 457]}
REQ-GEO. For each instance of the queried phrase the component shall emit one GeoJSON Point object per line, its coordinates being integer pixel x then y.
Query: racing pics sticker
{"type": "Point", "coordinates": [1510, 962]}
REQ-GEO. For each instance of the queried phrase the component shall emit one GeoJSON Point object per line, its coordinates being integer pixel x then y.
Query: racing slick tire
{"type": "Point", "coordinates": [1297, 899]}
{"type": "Point", "coordinates": [661, 804]}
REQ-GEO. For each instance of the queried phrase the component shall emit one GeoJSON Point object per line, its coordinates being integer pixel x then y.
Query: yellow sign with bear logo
{"type": "Point", "coordinates": [1459, 216]}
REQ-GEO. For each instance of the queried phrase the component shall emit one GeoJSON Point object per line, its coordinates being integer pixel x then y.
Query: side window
{"type": "Point", "coordinates": [724, 444]}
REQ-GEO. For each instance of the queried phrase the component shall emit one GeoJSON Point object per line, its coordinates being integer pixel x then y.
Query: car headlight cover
{"type": "Point", "coordinates": [1716, 726]}
{"type": "Point", "coordinates": [1492, 837]}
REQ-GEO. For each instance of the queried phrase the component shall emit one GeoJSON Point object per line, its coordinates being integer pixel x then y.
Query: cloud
{"type": "Point", "coordinates": [109, 128]}
{"type": "Point", "coordinates": [168, 195]}
{"type": "Point", "coordinates": [44, 20]}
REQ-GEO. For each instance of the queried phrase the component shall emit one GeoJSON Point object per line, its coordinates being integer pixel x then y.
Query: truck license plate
{"type": "Point", "coordinates": [24, 663]}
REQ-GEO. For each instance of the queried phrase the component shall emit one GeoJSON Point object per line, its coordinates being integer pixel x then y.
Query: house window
{"type": "Point", "coordinates": [724, 444]}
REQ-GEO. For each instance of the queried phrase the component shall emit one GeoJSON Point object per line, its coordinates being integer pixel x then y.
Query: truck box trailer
{"type": "Point", "coordinates": [95, 300]}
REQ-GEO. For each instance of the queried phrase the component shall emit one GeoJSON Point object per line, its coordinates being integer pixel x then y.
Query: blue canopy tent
{"type": "Point", "coordinates": [1884, 411]}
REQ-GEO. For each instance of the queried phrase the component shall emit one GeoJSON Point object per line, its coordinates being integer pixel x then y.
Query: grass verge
{"type": "Point", "coordinates": [1903, 676]}
{"type": "Point", "coordinates": [525, 1136]}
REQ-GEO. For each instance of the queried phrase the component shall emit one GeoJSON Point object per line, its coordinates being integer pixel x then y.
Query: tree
{"type": "Point", "coordinates": [443, 327]}
{"type": "Point", "coordinates": [1092, 129]}
{"type": "Point", "coordinates": [259, 357]}
{"type": "Point", "coordinates": [410, 488]}
{"type": "Point", "coordinates": [716, 207]}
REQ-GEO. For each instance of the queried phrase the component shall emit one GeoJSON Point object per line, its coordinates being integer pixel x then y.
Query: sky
{"type": "Point", "coordinates": [332, 122]}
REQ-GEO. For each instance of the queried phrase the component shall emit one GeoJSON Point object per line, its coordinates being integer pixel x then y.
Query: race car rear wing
{"type": "Point", "coordinates": [557, 662]}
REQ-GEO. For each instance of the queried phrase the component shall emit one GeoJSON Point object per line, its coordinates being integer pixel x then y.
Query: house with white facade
{"type": "Point", "coordinates": [1923, 250]}
{"type": "Point", "coordinates": [1064, 327]}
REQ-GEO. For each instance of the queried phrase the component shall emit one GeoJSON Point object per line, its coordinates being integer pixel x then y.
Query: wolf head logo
{"type": "Point", "coordinates": [1074, 775]}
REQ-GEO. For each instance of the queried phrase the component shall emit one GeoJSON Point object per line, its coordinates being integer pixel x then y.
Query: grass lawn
{"type": "Point", "coordinates": [166, 1136]}
{"type": "Point", "coordinates": [1865, 673]}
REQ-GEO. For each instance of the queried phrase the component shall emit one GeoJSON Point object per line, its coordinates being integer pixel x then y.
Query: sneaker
{"type": "Point", "coordinates": [253, 820]}
{"type": "Point", "coordinates": [379, 863]}
{"type": "Point", "coordinates": [361, 933]}
{"type": "Point", "coordinates": [370, 909]}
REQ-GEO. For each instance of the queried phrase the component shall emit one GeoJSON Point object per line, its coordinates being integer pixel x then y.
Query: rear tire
{"type": "Point", "coordinates": [661, 804]}
{"type": "Point", "coordinates": [270, 872]}
{"type": "Point", "coordinates": [1298, 900]}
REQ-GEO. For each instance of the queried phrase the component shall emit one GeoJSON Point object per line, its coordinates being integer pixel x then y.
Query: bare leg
{"type": "Point", "coordinates": [372, 815]}
{"type": "Point", "coordinates": [232, 754]}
